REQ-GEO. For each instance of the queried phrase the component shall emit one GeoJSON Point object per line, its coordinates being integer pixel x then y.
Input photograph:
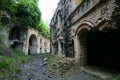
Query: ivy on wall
{"type": "Point", "coordinates": [43, 29]}
{"type": "Point", "coordinates": [25, 13]}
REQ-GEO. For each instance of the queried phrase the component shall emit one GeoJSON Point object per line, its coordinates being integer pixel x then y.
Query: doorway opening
{"type": "Point", "coordinates": [32, 44]}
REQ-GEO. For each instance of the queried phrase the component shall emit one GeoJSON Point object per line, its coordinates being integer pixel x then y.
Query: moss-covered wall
{"type": "Point", "coordinates": [4, 33]}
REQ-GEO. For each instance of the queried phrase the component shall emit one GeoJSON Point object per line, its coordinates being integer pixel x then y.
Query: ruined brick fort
{"type": "Point", "coordinates": [28, 40]}
{"type": "Point", "coordinates": [88, 31]}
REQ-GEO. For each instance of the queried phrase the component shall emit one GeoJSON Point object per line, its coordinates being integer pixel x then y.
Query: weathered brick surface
{"type": "Point", "coordinates": [72, 20]}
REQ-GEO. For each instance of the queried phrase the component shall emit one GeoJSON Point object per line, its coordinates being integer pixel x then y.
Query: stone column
{"type": "Point", "coordinates": [77, 49]}
{"type": "Point", "coordinates": [59, 49]}
{"type": "Point", "coordinates": [25, 44]}
{"type": "Point", "coordinates": [53, 49]}
{"type": "Point", "coordinates": [38, 50]}
{"type": "Point", "coordinates": [83, 51]}
{"type": "Point", "coordinates": [80, 51]}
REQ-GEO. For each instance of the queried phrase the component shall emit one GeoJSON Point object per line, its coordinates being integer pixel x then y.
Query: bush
{"type": "Point", "coordinates": [117, 77]}
{"type": "Point", "coordinates": [8, 63]}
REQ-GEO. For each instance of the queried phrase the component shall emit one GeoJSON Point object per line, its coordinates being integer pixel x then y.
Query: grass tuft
{"type": "Point", "coordinates": [8, 63]}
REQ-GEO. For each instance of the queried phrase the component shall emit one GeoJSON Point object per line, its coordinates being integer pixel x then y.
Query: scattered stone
{"type": "Point", "coordinates": [18, 71]}
{"type": "Point", "coordinates": [49, 77]}
{"type": "Point", "coordinates": [43, 73]}
{"type": "Point", "coordinates": [61, 74]}
{"type": "Point", "coordinates": [50, 70]}
{"type": "Point", "coordinates": [53, 64]}
{"type": "Point", "coordinates": [29, 78]}
{"type": "Point", "coordinates": [45, 59]}
{"type": "Point", "coordinates": [45, 63]}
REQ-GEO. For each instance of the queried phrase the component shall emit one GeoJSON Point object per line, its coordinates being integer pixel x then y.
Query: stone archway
{"type": "Point", "coordinates": [80, 42]}
{"type": "Point", "coordinates": [82, 46]}
{"type": "Point", "coordinates": [32, 44]}
{"type": "Point", "coordinates": [98, 48]}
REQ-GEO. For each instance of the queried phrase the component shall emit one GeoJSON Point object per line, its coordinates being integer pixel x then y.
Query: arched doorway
{"type": "Point", "coordinates": [98, 48]}
{"type": "Point", "coordinates": [32, 44]}
{"type": "Point", "coordinates": [82, 46]}
{"type": "Point", "coordinates": [80, 42]}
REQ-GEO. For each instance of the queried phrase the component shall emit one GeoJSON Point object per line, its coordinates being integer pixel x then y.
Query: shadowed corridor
{"type": "Point", "coordinates": [103, 49]}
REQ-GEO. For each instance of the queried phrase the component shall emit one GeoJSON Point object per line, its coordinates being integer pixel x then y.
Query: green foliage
{"type": "Point", "coordinates": [23, 12]}
{"type": "Point", "coordinates": [8, 5]}
{"type": "Point", "coordinates": [43, 28]}
{"type": "Point", "coordinates": [117, 77]}
{"type": "Point", "coordinates": [28, 13]}
{"type": "Point", "coordinates": [7, 63]}
{"type": "Point", "coordinates": [19, 56]}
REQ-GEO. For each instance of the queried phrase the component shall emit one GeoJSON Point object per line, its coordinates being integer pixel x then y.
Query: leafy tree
{"type": "Point", "coordinates": [25, 13]}
{"type": "Point", "coordinates": [8, 5]}
{"type": "Point", "coordinates": [28, 13]}
{"type": "Point", "coordinates": [44, 30]}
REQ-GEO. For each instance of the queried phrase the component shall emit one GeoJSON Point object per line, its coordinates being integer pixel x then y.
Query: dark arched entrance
{"type": "Point", "coordinates": [103, 49]}
{"type": "Point", "coordinates": [82, 38]}
{"type": "Point", "coordinates": [100, 48]}
{"type": "Point", "coordinates": [32, 44]}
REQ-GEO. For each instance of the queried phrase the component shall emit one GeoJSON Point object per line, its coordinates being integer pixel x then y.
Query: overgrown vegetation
{"type": "Point", "coordinates": [62, 66]}
{"type": "Point", "coordinates": [44, 30]}
{"type": "Point", "coordinates": [28, 13]}
{"type": "Point", "coordinates": [25, 13]}
{"type": "Point", "coordinates": [117, 77]}
{"type": "Point", "coordinates": [8, 63]}
{"type": "Point", "coordinates": [9, 59]}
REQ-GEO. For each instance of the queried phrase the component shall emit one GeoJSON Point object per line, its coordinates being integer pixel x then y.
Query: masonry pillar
{"type": "Point", "coordinates": [25, 49]}
{"type": "Point", "coordinates": [77, 49]}
{"type": "Point", "coordinates": [59, 49]}
{"type": "Point", "coordinates": [80, 47]}
{"type": "Point", "coordinates": [53, 49]}
{"type": "Point", "coordinates": [38, 50]}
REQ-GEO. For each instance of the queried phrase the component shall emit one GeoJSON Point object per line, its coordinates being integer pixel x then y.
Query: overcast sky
{"type": "Point", "coordinates": [47, 8]}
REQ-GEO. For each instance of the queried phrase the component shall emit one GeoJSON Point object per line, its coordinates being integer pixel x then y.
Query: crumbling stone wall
{"type": "Point", "coordinates": [39, 44]}
{"type": "Point", "coordinates": [88, 15]}
{"type": "Point", "coordinates": [19, 38]}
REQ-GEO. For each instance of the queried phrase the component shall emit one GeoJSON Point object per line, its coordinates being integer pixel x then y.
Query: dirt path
{"type": "Point", "coordinates": [34, 69]}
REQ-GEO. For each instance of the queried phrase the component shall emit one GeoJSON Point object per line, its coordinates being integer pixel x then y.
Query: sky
{"type": "Point", "coordinates": [47, 8]}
